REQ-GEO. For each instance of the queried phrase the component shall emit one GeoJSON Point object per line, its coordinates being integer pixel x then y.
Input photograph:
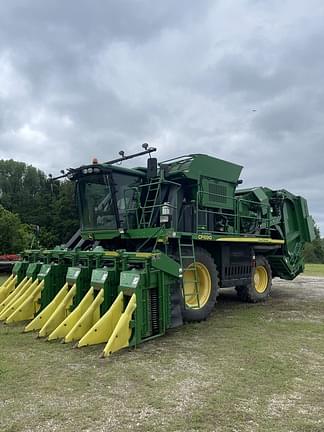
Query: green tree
{"type": "Point", "coordinates": [60, 214]}
{"type": "Point", "coordinates": [26, 191]}
{"type": "Point", "coordinates": [21, 187]}
{"type": "Point", "coordinates": [314, 251]}
{"type": "Point", "coordinates": [14, 236]}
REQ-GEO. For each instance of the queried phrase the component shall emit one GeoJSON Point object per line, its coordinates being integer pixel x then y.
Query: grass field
{"type": "Point", "coordinates": [247, 368]}
{"type": "Point", "coordinates": [314, 270]}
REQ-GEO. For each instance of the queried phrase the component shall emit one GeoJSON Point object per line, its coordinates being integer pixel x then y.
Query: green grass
{"type": "Point", "coordinates": [314, 270]}
{"type": "Point", "coordinates": [247, 368]}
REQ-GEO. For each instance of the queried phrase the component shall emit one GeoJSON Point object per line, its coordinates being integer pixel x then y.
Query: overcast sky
{"type": "Point", "coordinates": [240, 80]}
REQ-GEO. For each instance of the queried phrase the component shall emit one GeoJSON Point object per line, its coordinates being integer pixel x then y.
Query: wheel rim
{"type": "Point", "coordinates": [260, 279]}
{"type": "Point", "coordinates": [189, 286]}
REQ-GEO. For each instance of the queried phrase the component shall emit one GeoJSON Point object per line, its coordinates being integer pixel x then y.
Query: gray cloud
{"type": "Point", "coordinates": [241, 81]}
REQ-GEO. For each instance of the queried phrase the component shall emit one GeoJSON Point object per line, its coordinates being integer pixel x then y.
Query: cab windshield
{"type": "Point", "coordinates": [104, 198]}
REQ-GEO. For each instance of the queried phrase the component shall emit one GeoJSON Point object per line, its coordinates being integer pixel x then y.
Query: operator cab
{"type": "Point", "coordinates": [105, 198]}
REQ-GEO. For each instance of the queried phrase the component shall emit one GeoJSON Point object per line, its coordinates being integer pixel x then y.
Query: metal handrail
{"type": "Point", "coordinates": [235, 215]}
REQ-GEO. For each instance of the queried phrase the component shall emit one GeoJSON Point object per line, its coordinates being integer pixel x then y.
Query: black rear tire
{"type": "Point", "coordinates": [261, 283]}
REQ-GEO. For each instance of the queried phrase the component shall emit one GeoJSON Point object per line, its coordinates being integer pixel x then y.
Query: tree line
{"type": "Point", "coordinates": [29, 199]}
{"type": "Point", "coordinates": [314, 252]}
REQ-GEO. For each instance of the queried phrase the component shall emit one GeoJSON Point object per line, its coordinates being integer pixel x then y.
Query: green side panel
{"type": "Point", "coordinates": [286, 268]}
{"type": "Point", "coordinates": [54, 278]}
{"type": "Point", "coordinates": [137, 282]}
{"type": "Point", "coordinates": [166, 264]}
{"type": "Point", "coordinates": [33, 270]}
{"type": "Point", "coordinates": [297, 228]}
{"type": "Point", "coordinates": [196, 165]}
{"type": "Point", "coordinates": [306, 222]}
{"type": "Point", "coordinates": [19, 270]}
{"type": "Point", "coordinates": [152, 287]}
{"type": "Point", "coordinates": [217, 194]}
{"type": "Point", "coordinates": [298, 225]}
{"type": "Point", "coordinates": [81, 277]}
{"type": "Point", "coordinates": [310, 229]}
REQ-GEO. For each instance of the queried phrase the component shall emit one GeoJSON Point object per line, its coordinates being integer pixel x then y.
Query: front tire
{"type": "Point", "coordinates": [198, 307]}
{"type": "Point", "coordinates": [260, 287]}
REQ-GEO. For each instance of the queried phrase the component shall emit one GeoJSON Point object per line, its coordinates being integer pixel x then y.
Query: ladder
{"type": "Point", "coordinates": [150, 203]}
{"type": "Point", "coordinates": [188, 264]}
